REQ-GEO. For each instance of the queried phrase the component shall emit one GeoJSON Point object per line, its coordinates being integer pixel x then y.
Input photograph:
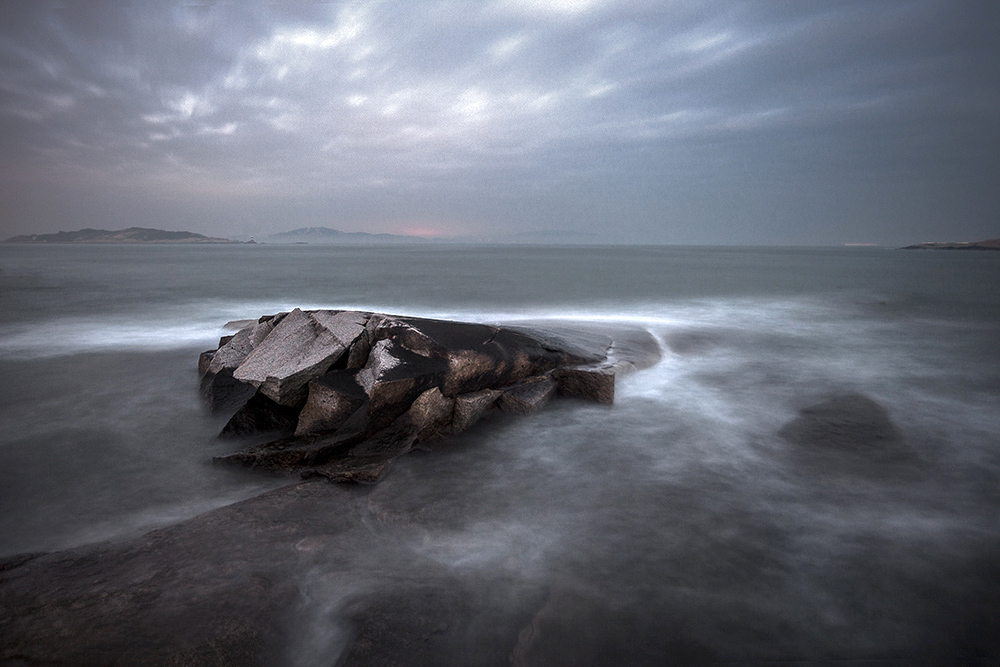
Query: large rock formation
{"type": "Point", "coordinates": [351, 391]}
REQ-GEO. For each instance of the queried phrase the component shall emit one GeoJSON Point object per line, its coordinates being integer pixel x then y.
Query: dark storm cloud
{"type": "Point", "coordinates": [686, 122]}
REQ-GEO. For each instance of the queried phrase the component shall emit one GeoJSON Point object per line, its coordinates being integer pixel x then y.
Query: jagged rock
{"type": "Point", "coordinates": [358, 355]}
{"type": "Point", "coordinates": [331, 400]}
{"type": "Point", "coordinates": [204, 360]}
{"type": "Point", "coordinates": [429, 415]}
{"type": "Point", "coordinates": [260, 415]}
{"type": "Point", "coordinates": [393, 378]}
{"type": "Point", "coordinates": [360, 389]}
{"type": "Point", "coordinates": [470, 407]}
{"type": "Point", "coordinates": [478, 356]}
{"type": "Point", "coordinates": [525, 397]}
{"type": "Point", "coordinates": [407, 333]}
{"type": "Point", "coordinates": [299, 349]}
{"type": "Point", "coordinates": [234, 351]}
{"type": "Point", "coordinates": [218, 387]}
{"type": "Point", "coordinates": [391, 442]}
{"type": "Point", "coordinates": [434, 412]}
{"type": "Point", "coordinates": [592, 384]}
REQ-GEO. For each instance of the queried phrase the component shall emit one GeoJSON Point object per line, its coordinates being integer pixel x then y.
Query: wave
{"type": "Point", "coordinates": [199, 324]}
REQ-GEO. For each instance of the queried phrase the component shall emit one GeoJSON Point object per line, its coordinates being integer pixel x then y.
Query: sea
{"type": "Point", "coordinates": [683, 495]}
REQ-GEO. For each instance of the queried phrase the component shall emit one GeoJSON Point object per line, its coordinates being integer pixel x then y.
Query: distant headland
{"type": "Point", "coordinates": [988, 244]}
{"type": "Point", "coordinates": [130, 235]}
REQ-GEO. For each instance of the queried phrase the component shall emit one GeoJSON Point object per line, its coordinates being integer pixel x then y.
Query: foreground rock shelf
{"type": "Point", "coordinates": [351, 391]}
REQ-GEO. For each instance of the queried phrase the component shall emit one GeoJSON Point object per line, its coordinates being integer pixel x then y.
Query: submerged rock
{"type": "Point", "coordinates": [849, 424]}
{"type": "Point", "coordinates": [360, 389]}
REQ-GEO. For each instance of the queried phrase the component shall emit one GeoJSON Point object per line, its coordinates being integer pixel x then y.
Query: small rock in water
{"type": "Point", "coordinates": [848, 424]}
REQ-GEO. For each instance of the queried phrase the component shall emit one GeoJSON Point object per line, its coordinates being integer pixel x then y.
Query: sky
{"type": "Point", "coordinates": [623, 121]}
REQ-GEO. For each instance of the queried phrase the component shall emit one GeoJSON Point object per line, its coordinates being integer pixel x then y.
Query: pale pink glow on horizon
{"type": "Point", "coordinates": [423, 230]}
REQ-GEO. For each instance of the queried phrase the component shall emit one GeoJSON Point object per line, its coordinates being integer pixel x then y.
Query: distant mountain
{"type": "Point", "coordinates": [988, 244]}
{"type": "Point", "coordinates": [130, 235]}
{"type": "Point", "coordinates": [320, 235]}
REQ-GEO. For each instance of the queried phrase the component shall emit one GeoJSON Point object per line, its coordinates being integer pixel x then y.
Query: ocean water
{"type": "Point", "coordinates": [682, 499]}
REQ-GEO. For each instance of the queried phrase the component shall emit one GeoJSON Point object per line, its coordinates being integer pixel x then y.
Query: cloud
{"type": "Point", "coordinates": [523, 96]}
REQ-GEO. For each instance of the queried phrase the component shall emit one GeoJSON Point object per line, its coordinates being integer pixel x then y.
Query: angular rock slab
{"type": "Point", "coordinates": [471, 407]}
{"type": "Point", "coordinates": [218, 386]}
{"type": "Point", "coordinates": [592, 384]}
{"type": "Point", "coordinates": [393, 378]}
{"type": "Point", "coordinates": [528, 396]}
{"type": "Point", "coordinates": [301, 347]}
{"type": "Point", "coordinates": [332, 399]}
{"type": "Point", "coordinates": [260, 415]}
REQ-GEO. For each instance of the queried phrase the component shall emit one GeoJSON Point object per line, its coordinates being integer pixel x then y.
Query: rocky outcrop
{"type": "Point", "coordinates": [988, 244]}
{"type": "Point", "coordinates": [351, 391]}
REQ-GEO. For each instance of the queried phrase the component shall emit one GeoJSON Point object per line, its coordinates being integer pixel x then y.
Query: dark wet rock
{"type": "Point", "coordinates": [223, 393]}
{"type": "Point", "coordinates": [332, 399]}
{"type": "Point", "coordinates": [218, 386]}
{"type": "Point", "coordinates": [391, 442]}
{"type": "Point", "coordinates": [300, 348]}
{"type": "Point", "coordinates": [357, 357]}
{"type": "Point", "coordinates": [528, 396]}
{"type": "Point", "coordinates": [293, 452]}
{"type": "Point", "coordinates": [592, 384]}
{"type": "Point", "coordinates": [850, 424]}
{"type": "Point", "coordinates": [354, 470]}
{"type": "Point", "coordinates": [434, 412]}
{"type": "Point", "coordinates": [588, 345]}
{"type": "Point", "coordinates": [470, 407]}
{"type": "Point", "coordinates": [480, 356]}
{"type": "Point", "coordinates": [635, 349]}
{"type": "Point", "coordinates": [17, 560]}
{"type": "Point", "coordinates": [378, 385]}
{"type": "Point", "coordinates": [394, 377]}
{"type": "Point", "coordinates": [219, 589]}
{"type": "Point", "coordinates": [260, 415]}
{"type": "Point", "coordinates": [204, 360]}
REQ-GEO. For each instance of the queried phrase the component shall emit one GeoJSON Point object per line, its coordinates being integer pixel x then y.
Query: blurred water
{"type": "Point", "coordinates": [680, 496]}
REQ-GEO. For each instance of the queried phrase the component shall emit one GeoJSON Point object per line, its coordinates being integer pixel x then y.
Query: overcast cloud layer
{"type": "Point", "coordinates": [637, 121]}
